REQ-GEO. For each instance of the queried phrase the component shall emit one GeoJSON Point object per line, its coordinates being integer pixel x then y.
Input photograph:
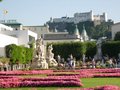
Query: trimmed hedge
{"type": "Point", "coordinates": [91, 49]}
{"type": "Point", "coordinates": [111, 48]}
{"type": "Point", "coordinates": [77, 49]}
{"type": "Point", "coordinates": [19, 54]}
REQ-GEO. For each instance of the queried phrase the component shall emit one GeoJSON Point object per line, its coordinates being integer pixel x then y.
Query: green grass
{"type": "Point", "coordinates": [88, 82]}
{"type": "Point", "coordinates": [33, 76]}
{"type": "Point", "coordinates": [93, 82]}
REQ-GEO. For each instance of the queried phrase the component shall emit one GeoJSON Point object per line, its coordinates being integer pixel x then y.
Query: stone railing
{"type": "Point", "coordinates": [14, 67]}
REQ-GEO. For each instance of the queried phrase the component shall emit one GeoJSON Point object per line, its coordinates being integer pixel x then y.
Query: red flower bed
{"type": "Point", "coordinates": [66, 79]}
{"type": "Point", "coordinates": [101, 70]}
{"type": "Point", "coordinates": [87, 73]}
{"type": "Point", "coordinates": [92, 70]}
{"type": "Point", "coordinates": [37, 82]}
{"type": "Point", "coordinates": [30, 72]}
{"type": "Point", "coordinates": [107, 75]}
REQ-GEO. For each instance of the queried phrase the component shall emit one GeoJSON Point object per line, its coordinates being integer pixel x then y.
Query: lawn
{"type": "Point", "coordinates": [88, 82]}
{"type": "Point", "coordinates": [93, 82]}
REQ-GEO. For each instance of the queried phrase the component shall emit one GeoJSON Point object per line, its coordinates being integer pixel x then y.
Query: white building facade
{"type": "Point", "coordinates": [18, 37]}
{"type": "Point", "coordinates": [38, 29]}
{"type": "Point", "coordinates": [115, 29]}
{"type": "Point", "coordinates": [81, 17]}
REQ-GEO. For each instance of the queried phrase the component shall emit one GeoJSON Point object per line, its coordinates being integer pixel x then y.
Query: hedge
{"type": "Point", "coordinates": [111, 48]}
{"type": "Point", "coordinates": [77, 49]}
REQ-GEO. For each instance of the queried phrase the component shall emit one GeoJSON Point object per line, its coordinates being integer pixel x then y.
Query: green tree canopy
{"type": "Point", "coordinates": [93, 31]}
{"type": "Point", "coordinates": [19, 54]}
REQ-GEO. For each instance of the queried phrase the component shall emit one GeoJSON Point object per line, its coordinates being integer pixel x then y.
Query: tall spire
{"type": "Point", "coordinates": [76, 32]}
{"type": "Point", "coordinates": [83, 27]}
{"type": "Point", "coordinates": [55, 30]}
{"type": "Point", "coordinates": [84, 34]}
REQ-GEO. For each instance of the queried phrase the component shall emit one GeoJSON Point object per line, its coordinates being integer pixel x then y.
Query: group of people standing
{"type": "Point", "coordinates": [68, 64]}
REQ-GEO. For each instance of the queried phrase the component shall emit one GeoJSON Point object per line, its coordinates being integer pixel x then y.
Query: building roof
{"type": "Point", "coordinates": [59, 36]}
{"type": "Point", "coordinates": [116, 23]}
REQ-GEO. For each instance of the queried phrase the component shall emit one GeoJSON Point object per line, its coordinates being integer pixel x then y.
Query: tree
{"type": "Point", "coordinates": [19, 54]}
{"type": "Point", "coordinates": [117, 36]}
{"type": "Point", "coordinates": [70, 27]}
{"type": "Point", "coordinates": [100, 31]}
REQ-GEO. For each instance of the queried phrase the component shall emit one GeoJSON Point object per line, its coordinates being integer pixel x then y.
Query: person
{"type": "Point", "coordinates": [70, 61]}
{"type": "Point", "coordinates": [111, 62]}
{"type": "Point", "coordinates": [58, 58]}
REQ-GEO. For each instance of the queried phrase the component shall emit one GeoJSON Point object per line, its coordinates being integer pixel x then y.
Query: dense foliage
{"type": "Point", "coordinates": [77, 49]}
{"type": "Point", "coordinates": [88, 25]}
{"type": "Point", "coordinates": [117, 36]}
{"type": "Point", "coordinates": [111, 48]}
{"type": "Point", "coordinates": [19, 54]}
{"type": "Point", "coordinates": [91, 49]}
{"type": "Point", "coordinates": [93, 31]}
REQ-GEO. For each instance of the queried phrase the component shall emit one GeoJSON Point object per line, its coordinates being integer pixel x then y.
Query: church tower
{"type": "Point", "coordinates": [76, 32]}
{"type": "Point", "coordinates": [84, 35]}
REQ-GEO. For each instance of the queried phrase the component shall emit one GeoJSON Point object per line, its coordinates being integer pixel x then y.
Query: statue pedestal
{"type": "Point", "coordinates": [41, 64]}
{"type": "Point", "coordinates": [44, 65]}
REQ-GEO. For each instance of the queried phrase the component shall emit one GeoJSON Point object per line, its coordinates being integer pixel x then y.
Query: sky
{"type": "Point", "coordinates": [38, 12]}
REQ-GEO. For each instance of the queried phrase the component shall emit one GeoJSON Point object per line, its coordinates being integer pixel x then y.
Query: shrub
{"type": "Point", "coordinates": [19, 54]}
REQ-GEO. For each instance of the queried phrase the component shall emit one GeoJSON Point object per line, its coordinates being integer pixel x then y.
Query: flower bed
{"type": "Point", "coordinates": [10, 78]}
{"type": "Point", "coordinates": [92, 70]}
{"type": "Point", "coordinates": [107, 75]}
{"type": "Point", "coordinates": [30, 72]}
{"type": "Point", "coordinates": [87, 73]}
{"type": "Point", "coordinates": [38, 82]}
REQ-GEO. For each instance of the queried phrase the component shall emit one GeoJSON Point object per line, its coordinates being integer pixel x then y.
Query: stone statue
{"type": "Point", "coordinates": [50, 57]}
{"type": "Point", "coordinates": [83, 57]}
{"type": "Point", "coordinates": [39, 48]}
{"type": "Point", "coordinates": [99, 51]}
{"type": "Point", "coordinates": [39, 57]}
